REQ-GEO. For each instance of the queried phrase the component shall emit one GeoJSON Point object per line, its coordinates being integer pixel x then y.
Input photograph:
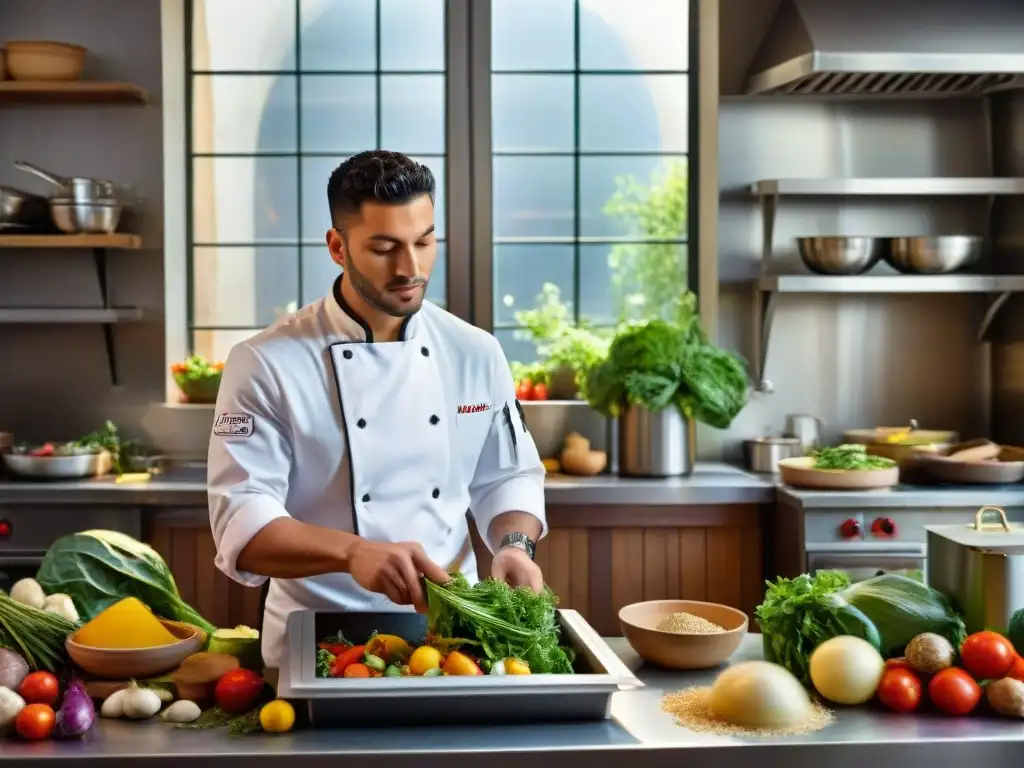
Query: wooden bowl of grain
{"type": "Point", "coordinates": [683, 634]}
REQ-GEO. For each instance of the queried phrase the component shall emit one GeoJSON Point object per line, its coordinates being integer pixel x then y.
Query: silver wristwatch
{"type": "Point", "coordinates": [519, 541]}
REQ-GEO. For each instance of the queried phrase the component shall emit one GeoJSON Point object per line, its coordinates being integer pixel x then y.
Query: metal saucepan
{"type": "Point", "coordinates": [80, 189]}
{"type": "Point", "coordinates": [20, 209]}
{"type": "Point", "coordinates": [99, 217]}
{"type": "Point", "coordinates": [763, 454]}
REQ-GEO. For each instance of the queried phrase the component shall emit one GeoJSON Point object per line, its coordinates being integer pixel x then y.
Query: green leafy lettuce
{"type": "Point", "coordinates": [658, 365]}
{"type": "Point", "coordinates": [505, 622]}
{"type": "Point", "coordinates": [99, 568]}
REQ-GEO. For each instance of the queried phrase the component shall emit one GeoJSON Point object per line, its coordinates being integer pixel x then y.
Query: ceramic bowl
{"type": "Point", "coordinates": [671, 650]}
{"type": "Point", "coordinates": [124, 663]}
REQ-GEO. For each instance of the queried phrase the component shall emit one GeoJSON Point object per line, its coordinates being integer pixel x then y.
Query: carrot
{"type": "Point", "coordinates": [357, 670]}
{"type": "Point", "coordinates": [343, 660]}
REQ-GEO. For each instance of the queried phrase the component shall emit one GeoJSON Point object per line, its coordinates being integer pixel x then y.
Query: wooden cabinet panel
{"type": "Point", "coordinates": [697, 553]}
{"type": "Point", "coordinates": [187, 546]}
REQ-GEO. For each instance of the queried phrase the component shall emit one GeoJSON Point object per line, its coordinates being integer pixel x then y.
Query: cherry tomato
{"type": "Point", "coordinates": [40, 688]}
{"type": "Point", "coordinates": [899, 690]}
{"type": "Point", "coordinates": [459, 663]}
{"type": "Point", "coordinates": [357, 670]}
{"type": "Point", "coordinates": [524, 390]}
{"type": "Point", "coordinates": [954, 691]}
{"type": "Point", "coordinates": [35, 722]}
{"type": "Point", "coordinates": [1017, 670]}
{"type": "Point", "coordinates": [987, 655]}
{"type": "Point", "coordinates": [540, 391]}
{"type": "Point", "coordinates": [238, 690]}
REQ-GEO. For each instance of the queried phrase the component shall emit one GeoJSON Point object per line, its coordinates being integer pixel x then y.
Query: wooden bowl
{"type": "Point", "coordinates": [672, 650]}
{"type": "Point", "coordinates": [800, 472]}
{"type": "Point", "coordinates": [123, 663]}
{"type": "Point", "coordinates": [43, 60]}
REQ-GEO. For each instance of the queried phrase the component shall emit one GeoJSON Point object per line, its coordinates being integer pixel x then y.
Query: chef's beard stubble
{"type": "Point", "coordinates": [375, 296]}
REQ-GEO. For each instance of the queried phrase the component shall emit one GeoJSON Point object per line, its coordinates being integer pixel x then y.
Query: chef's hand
{"type": "Point", "coordinates": [514, 566]}
{"type": "Point", "coordinates": [395, 570]}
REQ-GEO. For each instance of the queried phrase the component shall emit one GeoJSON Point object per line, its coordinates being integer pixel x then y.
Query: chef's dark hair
{"type": "Point", "coordinates": [378, 176]}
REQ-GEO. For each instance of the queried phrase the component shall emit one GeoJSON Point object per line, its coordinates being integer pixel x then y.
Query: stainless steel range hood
{"type": "Point", "coordinates": [891, 47]}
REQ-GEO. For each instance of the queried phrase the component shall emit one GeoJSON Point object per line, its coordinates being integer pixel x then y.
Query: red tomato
{"type": "Point", "coordinates": [35, 722]}
{"type": "Point", "coordinates": [1017, 670]}
{"type": "Point", "coordinates": [899, 690]}
{"type": "Point", "coordinates": [40, 688]}
{"type": "Point", "coordinates": [349, 656]}
{"type": "Point", "coordinates": [987, 655]}
{"type": "Point", "coordinates": [899, 663]}
{"type": "Point", "coordinates": [335, 649]}
{"type": "Point", "coordinates": [954, 691]}
{"type": "Point", "coordinates": [540, 391]}
{"type": "Point", "coordinates": [524, 390]}
{"type": "Point", "coordinates": [44, 450]}
{"type": "Point", "coordinates": [238, 691]}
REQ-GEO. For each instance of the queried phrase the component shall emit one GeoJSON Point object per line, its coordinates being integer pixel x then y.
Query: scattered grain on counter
{"type": "Point", "coordinates": [688, 624]}
{"type": "Point", "coordinates": [690, 709]}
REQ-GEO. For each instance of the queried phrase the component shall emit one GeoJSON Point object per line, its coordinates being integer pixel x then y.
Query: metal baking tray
{"type": "Point", "coordinates": [484, 699]}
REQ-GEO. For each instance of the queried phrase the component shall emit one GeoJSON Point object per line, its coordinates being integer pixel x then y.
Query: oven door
{"type": "Point", "coordinates": [861, 564]}
{"type": "Point", "coordinates": [15, 566]}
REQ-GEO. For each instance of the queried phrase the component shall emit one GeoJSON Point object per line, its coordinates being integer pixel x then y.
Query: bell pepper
{"type": "Point", "coordinates": [391, 648]}
{"type": "Point", "coordinates": [342, 661]}
{"type": "Point", "coordinates": [335, 649]}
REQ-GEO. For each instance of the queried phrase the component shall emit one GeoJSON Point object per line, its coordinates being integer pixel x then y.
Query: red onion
{"type": "Point", "coordinates": [76, 714]}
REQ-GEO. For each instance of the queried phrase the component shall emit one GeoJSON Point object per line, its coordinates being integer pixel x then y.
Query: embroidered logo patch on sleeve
{"type": "Point", "coordinates": [234, 425]}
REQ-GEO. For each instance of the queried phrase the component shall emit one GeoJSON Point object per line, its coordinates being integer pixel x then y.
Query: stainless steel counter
{"type": "Point", "coordinates": [710, 484]}
{"type": "Point", "coordinates": [639, 732]}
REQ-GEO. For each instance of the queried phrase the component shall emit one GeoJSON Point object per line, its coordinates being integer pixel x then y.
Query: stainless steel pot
{"type": "Point", "coordinates": [80, 189]}
{"type": "Point", "coordinates": [763, 454]}
{"type": "Point", "coordinates": [19, 208]}
{"type": "Point", "coordinates": [100, 217]}
{"type": "Point", "coordinates": [980, 568]}
{"type": "Point", "coordinates": [654, 443]}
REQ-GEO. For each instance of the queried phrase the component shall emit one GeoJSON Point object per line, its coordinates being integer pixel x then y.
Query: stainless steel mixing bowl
{"type": "Point", "coordinates": [840, 255]}
{"type": "Point", "coordinates": [934, 255]}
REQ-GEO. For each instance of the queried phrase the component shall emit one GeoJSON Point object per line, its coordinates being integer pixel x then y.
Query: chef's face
{"type": "Point", "coordinates": [388, 252]}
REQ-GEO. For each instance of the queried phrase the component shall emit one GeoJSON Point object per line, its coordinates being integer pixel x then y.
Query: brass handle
{"type": "Point", "coordinates": [980, 516]}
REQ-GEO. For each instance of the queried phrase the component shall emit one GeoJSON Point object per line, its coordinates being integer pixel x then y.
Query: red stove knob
{"type": "Point", "coordinates": [883, 527]}
{"type": "Point", "coordinates": [851, 529]}
{"type": "Point", "coordinates": [5, 529]}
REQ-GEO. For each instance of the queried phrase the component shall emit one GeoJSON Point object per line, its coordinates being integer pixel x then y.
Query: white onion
{"type": "Point", "coordinates": [846, 669]}
{"type": "Point", "coordinates": [759, 694]}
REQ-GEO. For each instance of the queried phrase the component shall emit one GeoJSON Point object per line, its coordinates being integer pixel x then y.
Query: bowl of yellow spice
{"type": "Point", "coordinates": [127, 640]}
{"type": "Point", "coordinates": [683, 634]}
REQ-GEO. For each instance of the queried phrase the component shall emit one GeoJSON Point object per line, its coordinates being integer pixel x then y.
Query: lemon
{"type": "Point", "coordinates": [424, 659]}
{"type": "Point", "coordinates": [277, 717]}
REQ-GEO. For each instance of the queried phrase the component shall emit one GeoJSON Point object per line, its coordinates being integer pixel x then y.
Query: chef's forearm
{"type": "Point", "coordinates": [513, 522]}
{"type": "Point", "coordinates": [289, 549]}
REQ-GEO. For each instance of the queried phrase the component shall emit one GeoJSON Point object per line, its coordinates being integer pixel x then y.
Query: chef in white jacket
{"type": "Point", "coordinates": [351, 438]}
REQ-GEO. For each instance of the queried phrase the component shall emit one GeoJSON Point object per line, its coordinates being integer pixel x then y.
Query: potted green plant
{"type": "Point", "coordinates": [198, 379]}
{"type": "Point", "coordinates": [658, 378]}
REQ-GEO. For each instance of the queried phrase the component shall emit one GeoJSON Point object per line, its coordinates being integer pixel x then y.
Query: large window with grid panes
{"type": "Point", "coordinates": [587, 132]}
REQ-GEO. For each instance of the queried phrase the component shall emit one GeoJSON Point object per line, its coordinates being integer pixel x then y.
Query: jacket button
{"type": "Point", "coordinates": [347, 354]}
{"type": "Point", "coordinates": [366, 498]}
{"type": "Point", "coordinates": [361, 423]}
{"type": "Point", "coordinates": [434, 419]}
{"type": "Point", "coordinates": [425, 352]}
{"type": "Point", "coordinates": [436, 492]}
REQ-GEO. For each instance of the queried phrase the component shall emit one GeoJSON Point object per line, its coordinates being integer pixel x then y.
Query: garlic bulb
{"type": "Point", "coordinates": [182, 711]}
{"type": "Point", "coordinates": [140, 703]}
{"type": "Point", "coordinates": [62, 605]}
{"type": "Point", "coordinates": [113, 705]}
{"type": "Point", "coordinates": [28, 592]}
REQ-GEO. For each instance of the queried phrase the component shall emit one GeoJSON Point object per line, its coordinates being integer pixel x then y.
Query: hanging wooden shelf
{"type": "Point", "coordinates": [72, 92]}
{"type": "Point", "coordinates": [117, 240]}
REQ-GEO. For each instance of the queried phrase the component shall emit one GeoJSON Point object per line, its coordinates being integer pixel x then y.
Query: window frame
{"type": "Point", "coordinates": [468, 158]}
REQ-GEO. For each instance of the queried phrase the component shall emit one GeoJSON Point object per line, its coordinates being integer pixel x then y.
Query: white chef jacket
{"type": "Point", "coordinates": [391, 441]}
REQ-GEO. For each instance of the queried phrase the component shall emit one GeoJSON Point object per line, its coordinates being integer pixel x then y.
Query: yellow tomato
{"type": "Point", "coordinates": [391, 648]}
{"type": "Point", "coordinates": [460, 664]}
{"type": "Point", "coordinates": [424, 659]}
{"type": "Point", "coordinates": [277, 716]}
{"type": "Point", "coordinates": [516, 667]}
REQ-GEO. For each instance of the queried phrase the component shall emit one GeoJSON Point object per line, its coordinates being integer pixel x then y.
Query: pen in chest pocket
{"type": "Point", "coordinates": [507, 415]}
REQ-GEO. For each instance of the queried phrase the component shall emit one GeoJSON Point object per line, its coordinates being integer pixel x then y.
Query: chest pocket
{"type": "Point", "coordinates": [471, 433]}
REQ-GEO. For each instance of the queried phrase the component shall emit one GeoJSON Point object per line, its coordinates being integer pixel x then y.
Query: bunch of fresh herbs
{"type": "Point", "coordinates": [38, 636]}
{"type": "Point", "coordinates": [658, 364]}
{"type": "Point", "coordinates": [505, 622]}
{"type": "Point", "coordinates": [849, 456]}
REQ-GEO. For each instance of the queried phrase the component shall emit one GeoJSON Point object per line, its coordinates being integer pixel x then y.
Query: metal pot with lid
{"type": "Point", "coordinates": [979, 567]}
